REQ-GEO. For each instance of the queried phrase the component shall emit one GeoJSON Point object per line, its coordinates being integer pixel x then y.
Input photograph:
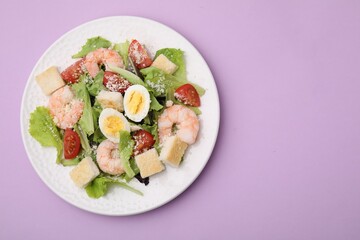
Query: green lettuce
{"type": "Point", "coordinates": [86, 121]}
{"type": "Point", "coordinates": [74, 161]}
{"type": "Point", "coordinates": [83, 140]}
{"type": "Point", "coordinates": [134, 167]}
{"type": "Point", "coordinates": [154, 104]}
{"type": "Point", "coordinates": [126, 146]}
{"type": "Point", "coordinates": [201, 91]}
{"type": "Point", "coordinates": [177, 57]}
{"type": "Point", "coordinates": [99, 187]}
{"type": "Point", "coordinates": [132, 78]}
{"type": "Point", "coordinates": [151, 118]}
{"type": "Point", "coordinates": [96, 109]}
{"type": "Point", "coordinates": [123, 49]}
{"type": "Point", "coordinates": [44, 130]}
{"type": "Point", "coordinates": [91, 45]}
{"type": "Point", "coordinates": [96, 85]}
{"type": "Point", "coordinates": [97, 137]}
{"type": "Point", "coordinates": [160, 83]}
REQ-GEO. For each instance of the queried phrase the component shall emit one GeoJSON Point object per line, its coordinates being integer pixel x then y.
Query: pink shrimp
{"type": "Point", "coordinates": [102, 55]}
{"type": "Point", "coordinates": [108, 159]}
{"type": "Point", "coordinates": [65, 108]}
{"type": "Point", "coordinates": [185, 121]}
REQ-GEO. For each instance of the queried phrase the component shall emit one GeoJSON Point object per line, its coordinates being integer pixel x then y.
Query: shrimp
{"type": "Point", "coordinates": [185, 121]}
{"type": "Point", "coordinates": [65, 109]}
{"type": "Point", "coordinates": [108, 159]}
{"type": "Point", "coordinates": [102, 55]}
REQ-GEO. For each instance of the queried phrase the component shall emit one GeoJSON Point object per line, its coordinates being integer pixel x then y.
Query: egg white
{"type": "Point", "coordinates": [108, 112]}
{"type": "Point", "coordinates": [145, 96]}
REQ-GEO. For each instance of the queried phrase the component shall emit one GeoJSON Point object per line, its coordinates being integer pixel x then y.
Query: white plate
{"type": "Point", "coordinates": [163, 187]}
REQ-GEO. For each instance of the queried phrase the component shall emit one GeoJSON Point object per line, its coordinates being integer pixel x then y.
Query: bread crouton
{"type": "Point", "coordinates": [173, 150]}
{"type": "Point", "coordinates": [149, 163]}
{"type": "Point", "coordinates": [50, 80]}
{"type": "Point", "coordinates": [84, 172]}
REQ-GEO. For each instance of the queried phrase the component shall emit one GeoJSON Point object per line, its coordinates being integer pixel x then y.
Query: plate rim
{"type": "Point", "coordinates": [22, 117]}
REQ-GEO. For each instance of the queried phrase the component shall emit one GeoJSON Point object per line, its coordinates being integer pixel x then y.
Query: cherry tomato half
{"type": "Point", "coordinates": [188, 95]}
{"type": "Point", "coordinates": [115, 83]}
{"type": "Point", "coordinates": [72, 73]}
{"type": "Point", "coordinates": [71, 144]}
{"type": "Point", "coordinates": [143, 141]}
{"type": "Point", "coordinates": [138, 55]}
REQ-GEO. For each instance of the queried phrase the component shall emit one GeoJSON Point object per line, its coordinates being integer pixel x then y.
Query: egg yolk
{"type": "Point", "coordinates": [136, 102]}
{"type": "Point", "coordinates": [113, 125]}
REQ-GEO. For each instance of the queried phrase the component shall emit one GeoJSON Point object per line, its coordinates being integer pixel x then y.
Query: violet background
{"type": "Point", "coordinates": [287, 160]}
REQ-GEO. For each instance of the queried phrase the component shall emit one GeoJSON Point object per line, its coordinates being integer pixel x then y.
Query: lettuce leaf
{"type": "Point", "coordinates": [96, 85]}
{"type": "Point", "coordinates": [196, 110]}
{"type": "Point", "coordinates": [123, 49]}
{"type": "Point", "coordinates": [91, 45]}
{"type": "Point", "coordinates": [177, 57]}
{"type": "Point", "coordinates": [44, 130]}
{"type": "Point", "coordinates": [86, 121]}
{"type": "Point", "coordinates": [74, 161]}
{"type": "Point", "coordinates": [154, 104]}
{"type": "Point", "coordinates": [99, 187]}
{"type": "Point", "coordinates": [126, 146]}
{"type": "Point", "coordinates": [134, 167]}
{"type": "Point", "coordinates": [97, 137]}
{"type": "Point", "coordinates": [83, 140]}
{"type": "Point", "coordinates": [162, 84]}
{"type": "Point", "coordinates": [201, 91]}
{"type": "Point", "coordinates": [159, 82]}
{"type": "Point", "coordinates": [132, 78]}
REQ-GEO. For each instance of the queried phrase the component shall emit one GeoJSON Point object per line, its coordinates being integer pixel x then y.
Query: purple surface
{"type": "Point", "coordinates": [286, 164]}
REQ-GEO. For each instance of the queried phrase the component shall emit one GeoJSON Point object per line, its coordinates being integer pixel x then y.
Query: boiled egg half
{"type": "Point", "coordinates": [111, 122]}
{"type": "Point", "coordinates": [136, 102]}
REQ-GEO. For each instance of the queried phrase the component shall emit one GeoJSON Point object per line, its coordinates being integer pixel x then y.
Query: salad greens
{"type": "Point", "coordinates": [177, 57]}
{"type": "Point", "coordinates": [160, 82]}
{"type": "Point", "coordinates": [83, 140]}
{"type": "Point", "coordinates": [122, 49]}
{"type": "Point", "coordinates": [99, 186]}
{"type": "Point", "coordinates": [91, 45]}
{"type": "Point", "coordinates": [44, 130]}
{"type": "Point", "coordinates": [154, 104]}
{"type": "Point", "coordinates": [126, 146]}
{"type": "Point", "coordinates": [131, 77]}
{"type": "Point", "coordinates": [135, 169]}
{"type": "Point", "coordinates": [94, 86]}
{"type": "Point", "coordinates": [161, 87]}
{"type": "Point", "coordinates": [97, 137]}
{"type": "Point", "coordinates": [74, 161]}
{"type": "Point", "coordinates": [86, 121]}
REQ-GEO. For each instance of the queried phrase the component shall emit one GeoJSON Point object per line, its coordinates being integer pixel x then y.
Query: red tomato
{"type": "Point", "coordinates": [115, 83]}
{"type": "Point", "coordinates": [188, 95]}
{"type": "Point", "coordinates": [71, 144]}
{"type": "Point", "coordinates": [72, 73]}
{"type": "Point", "coordinates": [143, 141]}
{"type": "Point", "coordinates": [138, 55]}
